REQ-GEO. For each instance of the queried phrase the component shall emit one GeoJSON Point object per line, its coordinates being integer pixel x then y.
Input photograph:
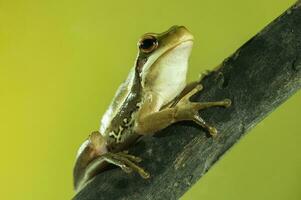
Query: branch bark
{"type": "Point", "coordinates": [258, 77]}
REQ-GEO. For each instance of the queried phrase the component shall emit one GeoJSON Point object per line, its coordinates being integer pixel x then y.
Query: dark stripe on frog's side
{"type": "Point", "coordinates": [122, 134]}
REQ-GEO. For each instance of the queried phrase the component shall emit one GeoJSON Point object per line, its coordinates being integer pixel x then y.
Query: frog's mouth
{"type": "Point", "coordinates": [176, 56]}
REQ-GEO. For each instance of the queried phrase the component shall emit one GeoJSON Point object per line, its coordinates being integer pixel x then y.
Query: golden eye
{"type": "Point", "coordinates": [148, 44]}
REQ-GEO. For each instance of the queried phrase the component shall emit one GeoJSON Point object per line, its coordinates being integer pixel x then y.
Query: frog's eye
{"type": "Point", "coordinates": [148, 44]}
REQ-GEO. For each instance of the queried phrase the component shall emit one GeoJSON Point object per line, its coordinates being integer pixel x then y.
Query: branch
{"type": "Point", "coordinates": [258, 77]}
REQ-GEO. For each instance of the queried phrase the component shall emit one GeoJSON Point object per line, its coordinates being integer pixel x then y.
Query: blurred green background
{"type": "Point", "coordinates": [61, 62]}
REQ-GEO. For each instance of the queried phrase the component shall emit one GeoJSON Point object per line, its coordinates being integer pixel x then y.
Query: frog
{"type": "Point", "coordinates": [154, 96]}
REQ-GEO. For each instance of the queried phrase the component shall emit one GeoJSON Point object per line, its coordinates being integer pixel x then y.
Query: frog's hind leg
{"type": "Point", "coordinates": [121, 159]}
{"type": "Point", "coordinates": [130, 161]}
{"type": "Point", "coordinates": [130, 157]}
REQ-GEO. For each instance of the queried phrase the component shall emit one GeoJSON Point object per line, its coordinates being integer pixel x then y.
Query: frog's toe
{"type": "Point", "coordinates": [132, 158]}
{"type": "Point", "coordinates": [195, 90]}
{"type": "Point", "coordinates": [126, 169]}
{"type": "Point", "coordinates": [227, 102]}
{"type": "Point", "coordinates": [144, 174]}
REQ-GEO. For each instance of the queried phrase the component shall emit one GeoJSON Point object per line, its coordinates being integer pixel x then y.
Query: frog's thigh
{"type": "Point", "coordinates": [95, 167]}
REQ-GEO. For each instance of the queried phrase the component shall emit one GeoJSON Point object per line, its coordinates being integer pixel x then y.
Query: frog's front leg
{"type": "Point", "coordinates": [183, 110]}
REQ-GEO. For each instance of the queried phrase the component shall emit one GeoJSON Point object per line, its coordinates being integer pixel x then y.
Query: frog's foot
{"type": "Point", "coordinates": [189, 110]}
{"type": "Point", "coordinates": [132, 158]}
{"type": "Point", "coordinates": [125, 161]}
{"type": "Point", "coordinates": [121, 159]}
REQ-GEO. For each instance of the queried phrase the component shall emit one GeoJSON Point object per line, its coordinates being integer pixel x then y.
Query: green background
{"type": "Point", "coordinates": [61, 62]}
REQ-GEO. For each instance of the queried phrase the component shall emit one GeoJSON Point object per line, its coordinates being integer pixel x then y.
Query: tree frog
{"type": "Point", "coordinates": [154, 96]}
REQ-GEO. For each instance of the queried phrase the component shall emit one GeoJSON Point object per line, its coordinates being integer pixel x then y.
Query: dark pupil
{"type": "Point", "coordinates": [147, 43]}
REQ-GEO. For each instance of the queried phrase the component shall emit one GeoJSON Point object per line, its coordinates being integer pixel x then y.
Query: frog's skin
{"type": "Point", "coordinates": [153, 96]}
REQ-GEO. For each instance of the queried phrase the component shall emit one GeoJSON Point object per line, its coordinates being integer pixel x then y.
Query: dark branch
{"type": "Point", "coordinates": [260, 76]}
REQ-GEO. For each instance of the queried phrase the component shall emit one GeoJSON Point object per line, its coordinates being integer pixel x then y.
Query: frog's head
{"type": "Point", "coordinates": [163, 60]}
